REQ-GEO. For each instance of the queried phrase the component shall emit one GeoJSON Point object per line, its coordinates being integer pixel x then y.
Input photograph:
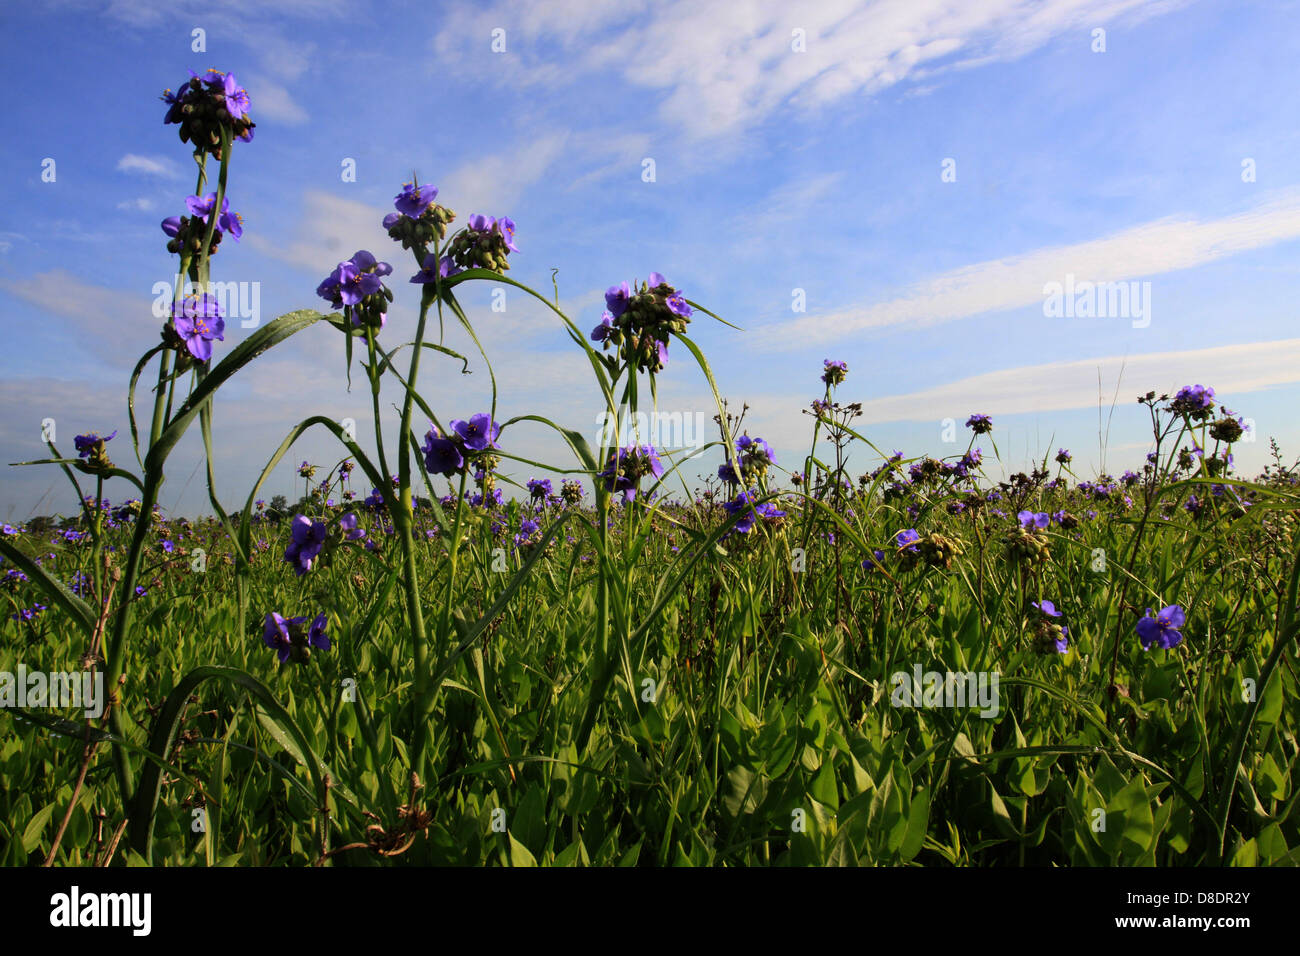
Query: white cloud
{"type": "Point", "coordinates": [1166, 245]}
{"type": "Point", "coordinates": [331, 230]}
{"type": "Point", "coordinates": [141, 204]}
{"type": "Point", "coordinates": [273, 102]}
{"type": "Point", "coordinates": [160, 166]}
{"type": "Point", "coordinates": [1231, 370]}
{"type": "Point", "coordinates": [726, 66]}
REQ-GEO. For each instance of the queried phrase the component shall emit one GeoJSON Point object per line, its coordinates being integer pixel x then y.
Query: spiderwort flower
{"type": "Point", "coordinates": [413, 200]}
{"type": "Point", "coordinates": [86, 444]}
{"type": "Point", "coordinates": [198, 322]}
{"type": "Point", "coordinates": [1030, 520]}
{"type": "Point", "coordinates": [869, 565]}
{"type": "Point", "coordinates": [539, 487]}
{"type": "Point", "coordinates": [285, 636]}
{"type": "Point", "coordinates": [907, 539]}
{"type": "Point", "coordinates": [616, 299]}
{"type": "Point", "coordinates": [351, 532]}
{"type": "Point", "coordinates": [308, 540]}
{"type": "Point", "coordinates": [980, 424]}
{"type": "Point", "coordinates": [1163, 629]}
{"type": "Point", "coordinates": [833, 373]}
{"type": "Point", "coordinates": [226, 220]}
{"type": "Point", "coordinates": [479, 433]}
{"type": "Point", "coordinates": [441, 456]}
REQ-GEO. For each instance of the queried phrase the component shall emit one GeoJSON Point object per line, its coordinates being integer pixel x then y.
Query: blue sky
{"type": "Point", "coordinates": [793, 149]}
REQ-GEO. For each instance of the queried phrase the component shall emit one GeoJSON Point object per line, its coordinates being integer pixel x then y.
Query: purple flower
{"type": "Point", "coordinates": [980, 424]}
{"type": "Point", "coordinates": [744, 504]}
{"type": "Point", "coordinates": [907, 539]}
{"type": "Point", "coordinates": [1047, 607]}
{"type": "Point", "coordinates": [873, 565]}
{"type": "Point", "coordinates": [172, 225]}
{"type": "Point", "coordinates": [351, 531]}
{"type": "Point", "coordinates": [506, 227]}
{"type": "Point", "coordinates": [479, 433]}
{"type": "Point", "coordinates": [539, 487]}
{"type": "Point", "coordinates": [226, 221]}
{"type": "Point", "coordinates": [354, 284]}
{"type": "Point", "coordinates": [728, 474]}
{"type": "Point", "coordinates": [275, 634]}
{"type": "Point", "coordinates": [616, 299]}
{"type": "Point", "coordinates": [236, 98]}
{"type": "Point", "coordinates": [197, 320]}
{"type": "Point", "coordinates": [833, 373]}
{"type": "Point", "coordinates": [627, 466]}
{"type": "Point", "coordinates": [1163, 629]}
{"type": "Point", "coordinates": [85, 444]}
{"type": "Point", "coordinates": [481, 223]}
{"type": "Point", "coordinates": [656, 280]}
{"type": "Point", "coordinates": [677, 305]}
{"type": "Point", "coordinates": [308, 540]}
{"type": "Point", "coordinates": [1030, 520]}
{"type": "Point", "coordinates": [413, 201]}
{"type": "Point", "coordinates": [606, 328]}
{"type": "Point", "coordinates": [441, 456]}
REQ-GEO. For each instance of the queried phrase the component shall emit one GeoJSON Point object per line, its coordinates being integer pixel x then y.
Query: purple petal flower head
{"type": "Point", "coordinates": [428, 270]}
{"type": "Point", "coordinates": [85, 444]}
{"type": "Point", "coordinates": [227, 221]}
{"type": "Point", "coordinates": [603, 331]}
{"type": "Point", "coordinates": [351, 531]}
{"type": "Point", "coordinates": [980, 424]}
{"type": "Point", "coordinates": [441, 456]}
{"type": "Point", "coordinates": [197, 320]}
{"type": "Point", "coordinates": [413, 200]}
{"type": "Point", "coordinates": [539, 487]}
{"type": "Point", "coordinates": [655, 281]}
{"type": "Point", "coordinates": [833, 373]}
{"type": "Point", "coordinates": [506, 226]}
{"type": "Point", "coordinates": [481, 223]}
{"type": "Point", "coordinates": [331, 288]}
{"type": "Point", "coordinates": [479, 433]}
{"type": "Point", "coordinates": [1030, 520]}
{"type": "Point", "coordinates": [1163, 629]}
{"type": "Point", "coordinates": [755, 449]}
{"type": "Point", "coordinates": [870, 565]}
{"type": "Point", "coordinates": [1062, 643]}
{"type": "Point", "coordinates": [316, 636]}
{"type": "Point", "coordinates": [392, 219]}
{"type": "Point", "coordinates": [236, 98]}
{"type": "Point", "coordinates": [308, 540]}
{"type": "Point", "coordinates": [616, 299]}
{"type": "Point", "coordinates": [627, 466]}
{"type": "Point", "coordinates": [275, 634]}
{"type": "Point", "coordinates": [677, 305]}
{"type": "Point", "coordinates": [728, 474]}
{"type": "Point", "coordinates": [354, 284]}
{"type": "Point", "coordinates": [1063, 456]}
{"type": "Point", "coordinates": [1047, 607]}
{"type": "Point", "coordinates": [907, 539]}
{"type": "Point", "coordinates": [172, 225]}
{"type": "Point", "coordinates": [1193, 400]}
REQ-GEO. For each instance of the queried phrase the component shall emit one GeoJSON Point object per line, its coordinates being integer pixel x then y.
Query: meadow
{"type": "Point", "coordinates": [435, 658]}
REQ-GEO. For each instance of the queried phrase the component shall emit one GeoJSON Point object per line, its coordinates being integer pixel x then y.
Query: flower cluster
{"type": "Point", "coordinates": [449, 454]}
{"type": "Point", "coordinates": [355, 286]}
{"type": "Point", "coordinates": [293, 637]}
{"type": "Point", "coordinates": [196, 323]}
{"type": "Point", "coordinates": [640, 323]}
{"type": "Point", "coordinates": [627, 466]}
{"type": "Point", "coordinates": [753, 455]}
{"type": "Point", "coordinates": [571, 492]}
{"type": "Point", "coordinates": [204, 105]}
{"type": "Point", "coordinates": [484, 244]}
{"type": "Point", "coordinates": [419, 220]}
{"type": "Point", "coordinates": [1049, 637]}
{"type": "Point", "coordinates": [752, 513]}
{"type": "Point", "coordinates": [1194, 401]}
{"type": "Point", "coordinates": [833, 373]}
{"type": "Point", "coordinates": [1163, 629]}
{"type": "Point", "coordinates": [980, 424]}
{"type": "Point", "coordinates": [186, 233]}
{"type": "Point", "coordinates": [91, 447]}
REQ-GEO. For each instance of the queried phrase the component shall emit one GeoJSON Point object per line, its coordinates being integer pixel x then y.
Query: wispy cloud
{"type": "Point", "coordinates": [140, 204]}
{"type": "Point", "coordinates": [160, 166]}
{"type": "Point", "coordinates": [274, 102]}
{"type": "Point", "coordinates": [724, 67]}
{"type": "Point", "coordinates": [1056, 386]}
{"type": "Point", "coordinates": [1153, 248]}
